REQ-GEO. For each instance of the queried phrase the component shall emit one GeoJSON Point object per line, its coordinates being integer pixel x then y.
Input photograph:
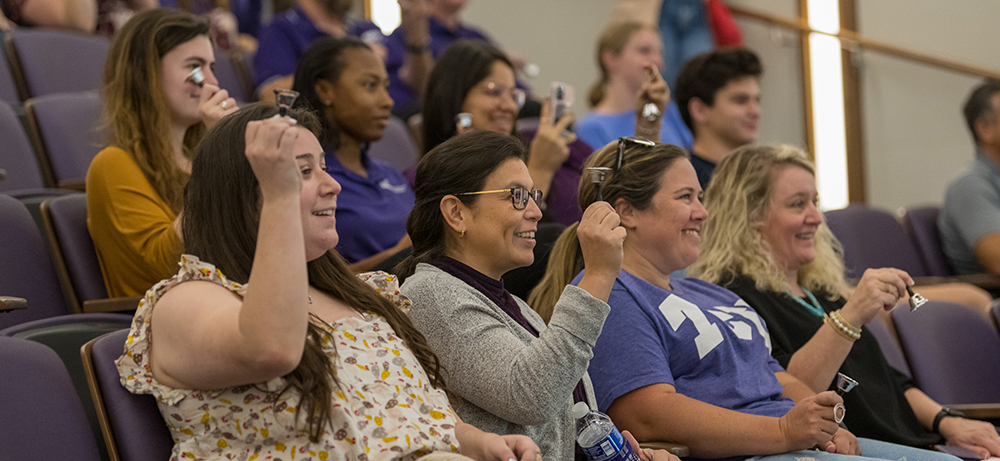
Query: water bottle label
{"type": "Point", "coordinates": [614, 447]}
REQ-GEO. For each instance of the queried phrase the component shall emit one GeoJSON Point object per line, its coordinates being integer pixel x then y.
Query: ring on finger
{"type": "Point", "coordinates": [224, 104]}
{"type": "Point", "coordinates": [839, 411]}
{"type": "Point", "coordinates": [887, 288]}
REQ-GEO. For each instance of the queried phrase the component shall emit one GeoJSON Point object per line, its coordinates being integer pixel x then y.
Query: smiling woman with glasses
{"type": "Point", "coordinates": [475, 78]}
{"type": "Point", "coordinates": [513, 373]}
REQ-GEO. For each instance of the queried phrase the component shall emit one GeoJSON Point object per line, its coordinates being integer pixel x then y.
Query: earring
{"type": "Point", "coordinates": [462, 234]}
{"type": "Point", "coordinates": [327, 102]}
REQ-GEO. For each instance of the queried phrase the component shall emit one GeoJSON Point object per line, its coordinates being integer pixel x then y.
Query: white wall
{"type": "Point", "coordinates": [915, 138]}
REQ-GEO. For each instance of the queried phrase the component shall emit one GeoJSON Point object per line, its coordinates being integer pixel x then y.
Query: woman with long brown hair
{"type": "Point", "coordinates": [275, 348]}
{"type": "Point", "coordinates": [156, 111]}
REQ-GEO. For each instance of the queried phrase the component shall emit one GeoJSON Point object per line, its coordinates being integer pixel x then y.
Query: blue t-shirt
{"type": "Point", "coordinates": [290, 34]}
{"type": "Point", "coordinates": [371, 212]}
{"type": "Point", "coordinates": [700, 338]}
{"type": "Point", "coordinates": [440, 36]}
{"type": "Point", "coordinates": [599, 129]}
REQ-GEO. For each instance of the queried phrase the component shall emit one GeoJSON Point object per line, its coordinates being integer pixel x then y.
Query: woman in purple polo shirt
{"type": "Point", "coordinates": [475, 77]}
{"type": "Point", "coordinates": [345, 82]}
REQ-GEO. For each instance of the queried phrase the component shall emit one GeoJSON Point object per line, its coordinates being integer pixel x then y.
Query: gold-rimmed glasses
{"type": "Point", "coordinates": [496, 91]}
{"type": "Point", "coordinates": [518, 195]}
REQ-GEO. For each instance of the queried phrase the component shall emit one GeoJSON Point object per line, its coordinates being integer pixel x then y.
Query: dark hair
{"type": "Point", "coordinates": [220, 222]}
{"type": "Point", "coordinates": [324, 60]}
{"type": "Point", "coordinates": [636, 182]}
{"type": "Point", "coordinates": [705, 74]}
{"type": "Point", "coordinates": [460, 68]}
{"type": "Point", "coordinates": [460, 164]}
{"type": "Point", "coordinates": [979, 106]}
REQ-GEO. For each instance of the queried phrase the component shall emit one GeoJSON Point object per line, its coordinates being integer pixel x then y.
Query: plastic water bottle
{"type": "Point", "coordinates": [598, 436]}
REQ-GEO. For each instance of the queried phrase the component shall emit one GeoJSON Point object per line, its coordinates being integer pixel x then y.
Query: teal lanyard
{"type": "Point", "coordinates": [814, 308]}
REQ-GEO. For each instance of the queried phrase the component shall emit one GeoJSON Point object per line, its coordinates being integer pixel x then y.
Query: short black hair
{"type": "Point", "coordinates": [705, 74]}
{"type": "Point", "coordinates": [979, 106]}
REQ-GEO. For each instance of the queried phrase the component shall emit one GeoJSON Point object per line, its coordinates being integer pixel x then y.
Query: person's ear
{"type": "Point", "coordinates": [326, 92]}
{"type": "Point", "coordinates": [699, 110]}
{"type": "Point", "coordinates": [453, 211]}
{"type": "Point", "coordinates": [986, 131]}
{"type": "Point", "coordinates": [626, 213]}
{"type": "Point", "coordinates": [609, 59]}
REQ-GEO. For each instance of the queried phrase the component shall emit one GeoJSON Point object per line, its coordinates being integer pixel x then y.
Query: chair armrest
{"type": "Point", "coordinates": [978, 410]}
{"type": "Point", "coordinates": [111, 305]}
{"type": "Point", "coordinates": [10, 303]}
{"type": "Point", "coordinates": [678, 450]}
{"type": "Point", "coordinates": [988, 282]}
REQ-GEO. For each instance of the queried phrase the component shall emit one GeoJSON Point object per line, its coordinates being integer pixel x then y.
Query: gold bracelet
{"type": "Point", "coordinates": [841, 326]}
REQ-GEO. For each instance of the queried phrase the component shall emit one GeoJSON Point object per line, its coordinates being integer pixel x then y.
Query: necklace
{"type": "Point", "coordinates": [813, 306]}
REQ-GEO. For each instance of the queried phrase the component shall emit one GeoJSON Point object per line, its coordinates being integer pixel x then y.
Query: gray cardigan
{"type": "Point", "coordinates": [510, 382]}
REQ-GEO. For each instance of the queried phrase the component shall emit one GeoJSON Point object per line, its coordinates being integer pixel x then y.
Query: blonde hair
{"type": "Point", "coordinates": [636, 182]}
{"type": "Point", "coordinates": [136, 109]}
{"type": "Point", "coordinates": [613, 39]}
{"type": "Point", "coordinates": [738, 201]}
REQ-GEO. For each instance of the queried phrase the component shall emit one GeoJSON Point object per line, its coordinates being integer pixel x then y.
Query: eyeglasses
{"type": "Point", "coordinates": [621, 148]}
{"type": "Point", "coordinates": [497, 91]}
{"type": "Point", "coordinates": [518, 195]}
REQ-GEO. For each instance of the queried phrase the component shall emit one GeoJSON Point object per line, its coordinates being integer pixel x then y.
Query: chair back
{"type": "Point", "coordinates": [231, 77]}
{"type": "Point", "coordinates": [132, 425]}
{"type": "Point", "coordinates": [396, 146]}
{"type": "Point", "coordinates": [65, 128]}
{"type": "Point", "coordinates": [43, 416]}
{"type": "Point", "coordinates": [53, 61]}
{"type": "Point", "coordinates": [66, 224]}
{"type": "Point", "coordinates": [952, 351]}
{"type": "Point", "coordinates": [17, 157]}
{"type": "Point", "coordinates": [8, 88]}
{"type": "Point", "coordinates": [26, 271]}
{"type": "Point", "coordinates": [873, 238]}
{"type": "Point", "coordinates": [65, 335]}
{"type": "Point", "coordinates": [921, 224]}
{"type": "Point", "coordinates": [889, 345]}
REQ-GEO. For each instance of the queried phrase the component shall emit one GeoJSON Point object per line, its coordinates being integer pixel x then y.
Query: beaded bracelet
{"type": "Point", "coordinates": [841, 326]}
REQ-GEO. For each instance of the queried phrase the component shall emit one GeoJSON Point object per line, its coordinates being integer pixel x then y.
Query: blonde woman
{"type": "Point", "coordinates": [156, 113]}
{"type": "Point", "coordinates": [766, 240]}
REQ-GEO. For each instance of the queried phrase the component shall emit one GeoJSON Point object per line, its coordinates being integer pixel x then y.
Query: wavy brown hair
{"type": "Point", "coordinates": [636, 182]}
{"type": "Point", "coordinates": [221, 217]}
{"type": "Point", "coordinates": [136, 109]}
{"type": "Point", "coordinates": [738, 202]}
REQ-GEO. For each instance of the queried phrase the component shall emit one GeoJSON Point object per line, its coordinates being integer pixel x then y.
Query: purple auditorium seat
{"type": "Point", "coordinates": [66, 221]}
{"type": "Point", "coordinates": [8, 89]}
{"type": "Point", "coordinates": [873, 238]}
{"type": "Point", "coordinates": [995, 310]}
{"type": "Point", "coordinates": [43, 417]}
{"type": "Point", "coordinates": [887, 342]}
{"type": "Point", "coordinates": [52, 61]}
{"type": "Point", "coordinates": [228, 70]}
{"type": "Point", "coordinates": [952, 351]}
{"type": "Point", "coordinates": [66, 129]}
{"type": "Point", "coordinates": [25, 268]}
{"type": "Point", "coordinates": [16, 155]}
{"type": "Point", "coordinates": [921, 224]}
{"type": "Point", "coordinates": [396, 146]}
{"type": "Point", "coordinates": [133, 428]}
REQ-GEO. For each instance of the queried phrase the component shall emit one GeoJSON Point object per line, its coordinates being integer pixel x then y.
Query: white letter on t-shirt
{"type": "Point", "coordinates": [676, 310]}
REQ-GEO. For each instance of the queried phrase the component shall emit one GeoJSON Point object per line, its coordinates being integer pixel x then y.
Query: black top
{"type": "Point", "coordinates": [703, 168]}
{"type": "Point", "coordinates": [876, 408]}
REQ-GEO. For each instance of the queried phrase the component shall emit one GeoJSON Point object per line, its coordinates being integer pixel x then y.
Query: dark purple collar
{"type": "Point", "coordinates": [489, 287]}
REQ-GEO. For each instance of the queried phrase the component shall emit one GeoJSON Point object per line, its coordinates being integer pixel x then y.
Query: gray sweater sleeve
{"type": "Point", "coordinates": [493, 362]}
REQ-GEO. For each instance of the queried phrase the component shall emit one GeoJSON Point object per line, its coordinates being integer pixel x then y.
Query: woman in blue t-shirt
{"type": "Point", "coordinates": [685, 360]}
{"type": "Point", "coordinates": [345, 82]}
{"type": "Point", "coordinates": [629, 57]}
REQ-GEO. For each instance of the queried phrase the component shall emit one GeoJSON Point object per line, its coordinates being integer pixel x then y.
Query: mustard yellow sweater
{"type": "Point", "coordinates": [132, 227]}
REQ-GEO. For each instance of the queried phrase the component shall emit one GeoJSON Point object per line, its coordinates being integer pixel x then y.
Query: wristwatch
{"type": "Point", "coordinates": [944, 413]}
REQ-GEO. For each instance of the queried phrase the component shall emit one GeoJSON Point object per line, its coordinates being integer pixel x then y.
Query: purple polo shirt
{"type": "Point", "coordinates": [371, 212]}
{"type": "Point", "coordinates": [441, 37]}
{"type": "Point", "coordinates": [290, 34]}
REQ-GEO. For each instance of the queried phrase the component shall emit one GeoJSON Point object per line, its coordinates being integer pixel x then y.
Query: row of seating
{"type": "Point", "coordinates": [42, 62]}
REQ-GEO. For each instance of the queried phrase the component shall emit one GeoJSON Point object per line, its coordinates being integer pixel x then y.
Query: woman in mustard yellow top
{"type": "Point", "coordinates": [156, 114]}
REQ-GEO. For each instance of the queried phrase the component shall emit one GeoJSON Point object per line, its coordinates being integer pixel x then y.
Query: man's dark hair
{"type": "Point", "coordinates": [979, 106]}
{"type": "Point", "coordinates": [705, 74]}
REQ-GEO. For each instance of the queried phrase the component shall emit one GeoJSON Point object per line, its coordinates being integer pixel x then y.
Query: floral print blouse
{"type": "Point", "coordinates": [384, 408]}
